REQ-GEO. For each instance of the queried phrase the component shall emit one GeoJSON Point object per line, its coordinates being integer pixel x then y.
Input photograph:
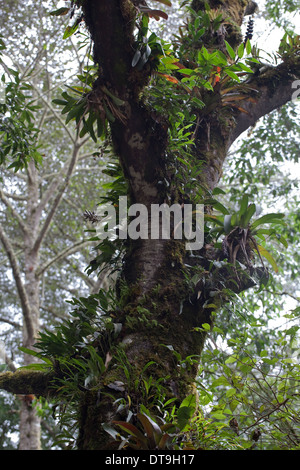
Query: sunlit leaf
{"type": "Point", "coordinates": [263, 252]}
{"type": "Point", "coordinates": [60, 12]}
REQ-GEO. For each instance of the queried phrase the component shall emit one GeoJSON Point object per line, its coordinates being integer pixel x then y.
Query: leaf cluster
{"type": "Point", "coordinates": [253, 382]}
{"type": "Point", "coordinates": [19, 136]}
{"type": "Point", "coordinates": [240, 232]}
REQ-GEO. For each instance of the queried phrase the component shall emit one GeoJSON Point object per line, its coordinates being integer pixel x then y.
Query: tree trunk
{"type": "Point", "coordinates": [161, 314]}
{"type": "Point", "coordinates": [29, 420]}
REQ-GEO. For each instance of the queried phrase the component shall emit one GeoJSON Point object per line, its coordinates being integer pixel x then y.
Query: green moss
{"type": "Point", "coordinates": [26, 382]}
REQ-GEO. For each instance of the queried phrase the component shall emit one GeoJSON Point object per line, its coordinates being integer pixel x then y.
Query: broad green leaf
{"type": "Point", "coordinates": [232, 74]}
{"type": "Point", "coordinates": [231, 360]}
{"type": "Point", "coordinates": [248, 47]}
{"type": "Point", "coordinates": [241, 50]}
{"type": "Point", "coordinates": [186, 411]}
{"type": "Point", "coordinates": [230, 50]}
{"type": "Point", "coordinates": [227, 223]}
{"type": "Point", "coordinates": [220, 381]}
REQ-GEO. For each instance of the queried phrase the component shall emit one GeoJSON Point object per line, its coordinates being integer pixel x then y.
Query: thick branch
{"type": "Point", "coordinates": [275, 89]}
{"type": "Point", "coordinates": [26, 382]}
{"type": "Point", "coordinates": [112, 35]}
{"type": "Point", "coordinates": [140, 140]}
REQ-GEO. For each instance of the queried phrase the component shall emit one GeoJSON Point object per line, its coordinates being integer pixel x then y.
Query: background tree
{"type": "Point", "coordinates": [174, 111]}
{"type": "Point", "coordinates": [42, 220]}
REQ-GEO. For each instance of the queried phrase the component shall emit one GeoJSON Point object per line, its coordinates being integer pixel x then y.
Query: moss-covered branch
{"type": "Point", "coordinates": [274, 88]}
{"type": "Point", "coordinates": [25, 382]}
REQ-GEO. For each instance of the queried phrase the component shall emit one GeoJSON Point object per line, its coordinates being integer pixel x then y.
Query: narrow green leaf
{"type": "Point", "coordinates": [115, 99]}
{"type": "Point", "coordinates": [31, 352]}
{"type": "Point", "coordinates": [60, 12]}
{"type": "Point", "coordinates": [100, 127]}
{"type": "Point", "coordinates": [60, 102]}
{"type": "Point", "coordinates": [244, 205]}
{"type": "Point", "coordinates": [75, 112]}
{"type": "Point", "coordinates": [70, 30]}
{"type": "Point", "coordinates": [151, 428]}
{"type": "Point", "coordinates": [268, 218]}
{"type": "Point", "coordinates": [232, 75]}
{"type": "Point", "coordinates": [241, 50]}
{"type": "Point", "coordinates": [198, 102]}
{"type": "Point", "coordinates": [108, 113]}
{"type": "Point", "coordinates": [216, 204]}
{"type": "Point", "coordinates": [245, 68]}
{"type": "Point", "coordinates": [132, 430]}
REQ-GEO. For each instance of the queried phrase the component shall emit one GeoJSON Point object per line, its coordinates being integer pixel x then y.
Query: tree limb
{"type": "Point", "coordinates": [68, 251]}
{"type": "Point", "coordinates": [26, 382]}
{"type": "Point", "coordinates": [18, 280]}
{"type": "Point", "coordinates": [15, 214]}
{"type": "Point", "coordinates": [58, 197]}
{"type": "Point", "coordinates": [274, 89]}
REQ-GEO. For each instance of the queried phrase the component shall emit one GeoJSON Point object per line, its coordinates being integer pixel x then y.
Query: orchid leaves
{"type": "Point", "coordinates": [239, 230]}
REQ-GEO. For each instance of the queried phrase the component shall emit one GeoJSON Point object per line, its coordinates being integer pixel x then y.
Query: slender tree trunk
{"type": "Point", "coordinates": [29, 420]}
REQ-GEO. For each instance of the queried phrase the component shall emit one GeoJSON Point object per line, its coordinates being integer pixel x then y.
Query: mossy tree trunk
{"type": "Point", "coordinates": [161, 313]}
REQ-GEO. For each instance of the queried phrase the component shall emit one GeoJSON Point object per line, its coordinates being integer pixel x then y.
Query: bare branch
{"type": "Point", "coordinates": [12, 323]}
{"type": "Point", "coordinates": [55, 114]}
{"type": "Point", "coordinates": [15, 214]}
{"type": "Point", "coordinates": [63, 254]}
{"type": "Point", "coordinates": [59, 195]}
{"type": "Point", "coordinates": [18, 280]}
{"type": "Point", "coordinates": [15, 197]}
